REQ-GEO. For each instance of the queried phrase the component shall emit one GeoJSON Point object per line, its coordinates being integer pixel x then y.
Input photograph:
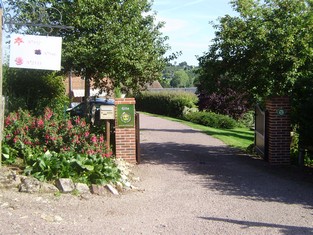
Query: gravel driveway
{"type": "Point", "coordinates": [190, 183]}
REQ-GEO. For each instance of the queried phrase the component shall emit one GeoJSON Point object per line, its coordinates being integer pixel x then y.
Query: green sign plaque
{"type": "Point", "coordinates": [281, 112]}
{"type": "Point", "coordinates": [126, 115]}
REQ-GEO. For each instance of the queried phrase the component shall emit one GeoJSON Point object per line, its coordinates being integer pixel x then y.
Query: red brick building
{"type": "Point", "coordinates": [75, 89]}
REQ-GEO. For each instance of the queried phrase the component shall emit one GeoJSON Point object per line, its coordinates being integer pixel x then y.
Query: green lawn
{"type": "Point", "coordinates": [238, 137]}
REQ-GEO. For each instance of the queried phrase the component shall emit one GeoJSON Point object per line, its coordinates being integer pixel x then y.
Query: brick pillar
{"type": "Point", "coordinates": [125, 135]}
{"type": "Point", "coordinates": [278, 130]}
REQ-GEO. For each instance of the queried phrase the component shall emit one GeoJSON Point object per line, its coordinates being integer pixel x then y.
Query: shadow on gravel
{"type": "Point", "coordinates": [230, 172]}
{"type": "Point", "coordinates": [285, 229]}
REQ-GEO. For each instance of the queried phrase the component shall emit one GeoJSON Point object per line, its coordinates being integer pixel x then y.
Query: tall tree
{"type": "Point", "coordinates": [263, 51]}
{"type": "Point", "coordinates": [117, 39]}
{"type": "Point", "coordinates": [180, 79]}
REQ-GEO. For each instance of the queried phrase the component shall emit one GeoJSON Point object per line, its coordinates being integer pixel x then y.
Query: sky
{"type": "Point", "coordinates": [187, 25]}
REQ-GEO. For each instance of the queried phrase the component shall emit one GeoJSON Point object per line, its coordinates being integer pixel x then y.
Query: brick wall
{"type": "Point", "coordinates": [278, 130]}
{"type": "Point", "coordinates": [79, 84]}
{"type": "Point", "coordinates": [125, 138]}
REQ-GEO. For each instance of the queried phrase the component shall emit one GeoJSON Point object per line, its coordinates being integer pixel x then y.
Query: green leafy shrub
{"type": "Point", "coordinates": [247, 119]}
{"type": "Point", "coordinates": [34, 90]}
{"type": "Point", "coordinates": [89, 169]}
{"type": "Point", "coordinates": [53, 147]}
{"type": "Point", "coordinates": [212, 120]}
{"type": "Point", "coordinates": [170, 104]}
{"type": "Point", "coordinates": [294, 151]}
{"type": "Point", "coordinates": [9, 154]}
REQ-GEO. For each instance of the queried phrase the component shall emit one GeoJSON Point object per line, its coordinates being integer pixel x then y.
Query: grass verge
{"type": "Point", "coordinates": [240, 138]}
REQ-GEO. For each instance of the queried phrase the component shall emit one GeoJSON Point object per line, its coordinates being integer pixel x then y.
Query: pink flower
{"type": "Point", "coordinates": [40, 123]}
{"type": "Point", "coordinates": [15, 139]}
{"type": "Point", "coordinates": [87, 134]}
{"type": "Point", "coordinates": [77, 120]}
{"type": "Point", "coordinates": [69, 124]}
{"type": "Point", "coordinates": [33, 125]}
{"type": "Point", "coordinates": [7, 121]}
{"type": "Point", "coordinates": [94, 139]}
{"type": "Point", "coordinates": [107, 155]}
{"type": "Point", "coordinates": [27, 142]}
{"type": "Point", "coordinates": [47, 137]}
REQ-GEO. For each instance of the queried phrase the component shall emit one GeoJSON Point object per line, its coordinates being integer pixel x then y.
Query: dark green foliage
{"type": "Point", "coordinates": [211, 119]}
{"type": "Point", "coordinates": [228, 102]}
{"type": "Point", "coordinates": [89, 169]}
{"type": "Point", "coordinates": [302, 104]}
{"type": "Point", "coordinates": [33, 90]}
{"type": "Point", "coordinates": [170, 104]}
{"type": "Point", "coordinates": [306, 123]}
{"type": "Point", "coordinates": [263, 50]}
{"type": "Point", "coordinates": [9, 154]}
{"type": "Point", "coordinates": [307, 153]}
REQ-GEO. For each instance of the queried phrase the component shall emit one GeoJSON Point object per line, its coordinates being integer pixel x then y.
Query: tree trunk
{"type": "Point", "coordinates": [87, 93]}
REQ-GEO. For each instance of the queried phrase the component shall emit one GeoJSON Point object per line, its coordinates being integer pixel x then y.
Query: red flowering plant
{"type": "Point", "coordinates": [17, 129]}
{"type": "Point", "coordinates": [51, 133]}
{"type": "Point", "coordinates": [34, 138]}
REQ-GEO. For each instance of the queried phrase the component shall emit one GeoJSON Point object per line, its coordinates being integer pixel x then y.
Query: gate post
{"type": "Point", "coordinates": [278, 130]}
{"type": "Point", "coordinates": [125, 130]}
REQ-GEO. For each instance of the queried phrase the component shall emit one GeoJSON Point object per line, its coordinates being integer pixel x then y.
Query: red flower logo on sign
{"type": "Point", "coordinates": [18, 41]}
{"type": "Point", "coordinates": [19, 61]}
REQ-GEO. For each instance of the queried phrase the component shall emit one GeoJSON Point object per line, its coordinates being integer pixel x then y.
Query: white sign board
{"type": "Point", "coordinates": [35, 52]}
{"type": "Point", "coordinates": [107, 112]}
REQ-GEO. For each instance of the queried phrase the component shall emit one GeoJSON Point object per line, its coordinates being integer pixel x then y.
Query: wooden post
{"type": "Point", "coordinates": [108, 134]}
{"type": "Point", "coordinates": [1, 82]}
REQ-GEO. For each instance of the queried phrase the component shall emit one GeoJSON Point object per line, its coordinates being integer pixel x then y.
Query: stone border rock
{"type": "Point", "coordinates": [10, 179]}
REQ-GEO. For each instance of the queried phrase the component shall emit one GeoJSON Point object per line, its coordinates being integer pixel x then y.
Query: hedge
{"type": "Point", "coordinates": [211, 119]}
{"type": "Point", "coordinates": [168, 103]}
